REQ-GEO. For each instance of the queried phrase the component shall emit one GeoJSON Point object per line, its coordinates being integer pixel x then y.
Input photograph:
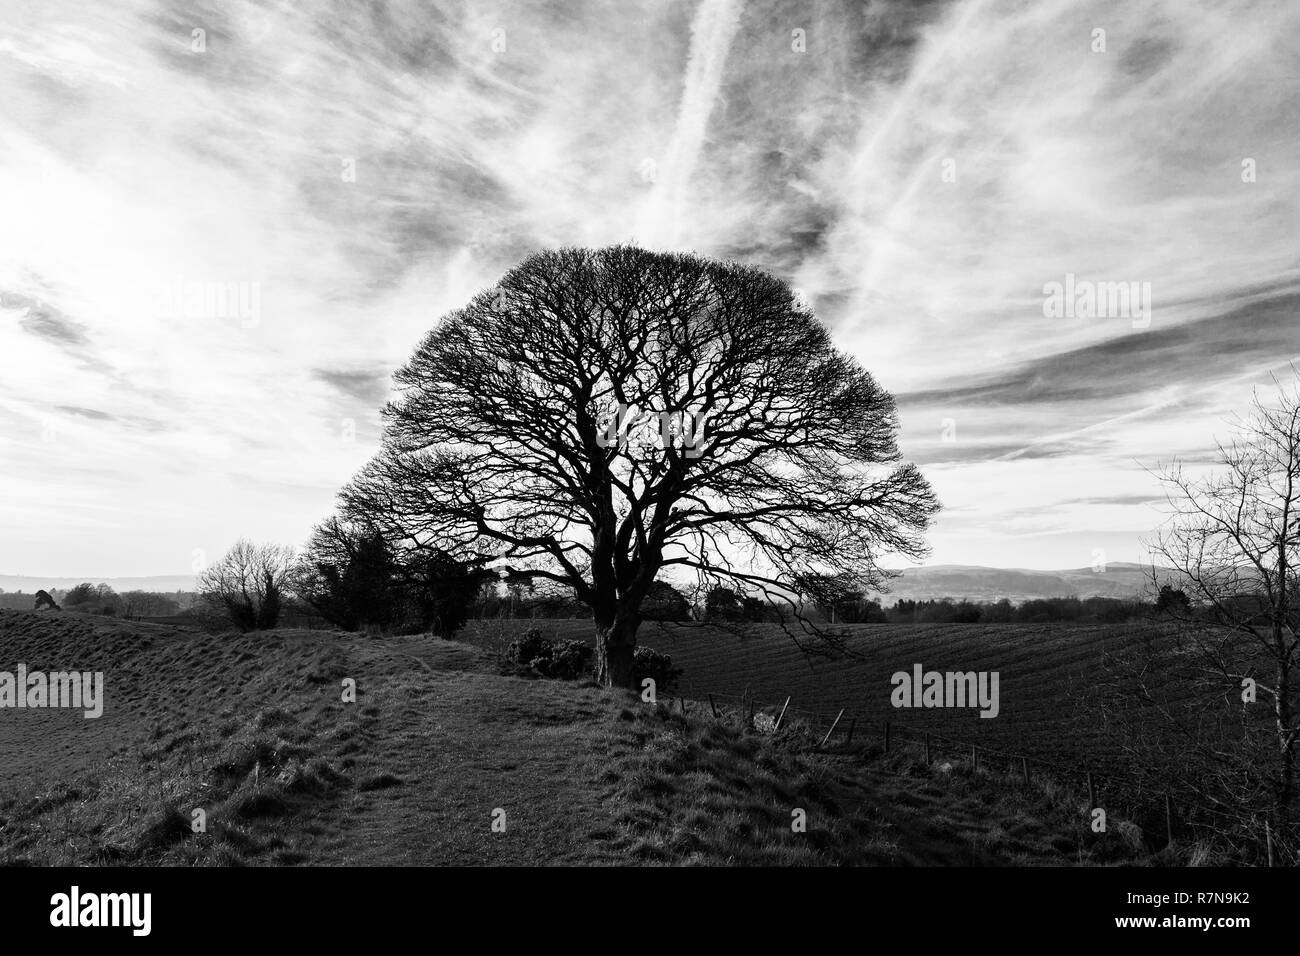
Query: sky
{"type": "Point", "coordinates": [222, 228]}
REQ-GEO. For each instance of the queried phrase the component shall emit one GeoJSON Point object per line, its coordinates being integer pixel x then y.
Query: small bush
{"type": "Point", "coordinates": [570, 660]}
{"type": "Point", "coordinates": [529, 647]}
{"type": "Point", "coordinates": [647, 662]}
{"type": "Point", "coordinates": [567, 660]}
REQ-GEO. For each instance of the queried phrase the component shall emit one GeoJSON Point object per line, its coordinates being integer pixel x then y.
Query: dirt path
{"type": "Point", "coordinates": [463, 749]}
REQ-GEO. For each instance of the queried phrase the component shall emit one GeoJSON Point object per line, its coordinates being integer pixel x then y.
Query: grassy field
{"type": "Point", "coordinates": [252, 730]}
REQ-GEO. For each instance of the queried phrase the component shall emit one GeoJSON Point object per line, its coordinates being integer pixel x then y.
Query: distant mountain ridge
{"type": "Point", "coordinates": [957, 581]}
{"type": "Point", "coordinates": [162, 583]}
{"type": "Point", "coordinates": [976, 583]}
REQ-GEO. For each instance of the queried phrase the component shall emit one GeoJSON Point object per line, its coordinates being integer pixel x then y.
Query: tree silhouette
{"type": "Point", "coordinates": [601, 416]}
{"type": "Point", "coordinates": [346, 575]}
{"type": "Point", "coordinates": [1232, 538]}
{"type": "Point", "coordinates": [665, 603]}
{"type": "Point", "coordinates": [247, 584]}
{"type": "Point", "coordinates": [1170, 598]}
{"type": "Point", "coordinates": [350, 576]}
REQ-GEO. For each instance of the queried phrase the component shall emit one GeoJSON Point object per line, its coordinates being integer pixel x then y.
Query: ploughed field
{"type": "Point", "coordinates": [1046, 674]}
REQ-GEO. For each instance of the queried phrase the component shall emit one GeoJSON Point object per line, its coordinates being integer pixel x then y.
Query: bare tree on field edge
{"type": "Point", "coordinates": [1234, 538]}
{"type": "Point", "coordinates": [247, 586]}
{"type": "Point", "coordinates": [602, 416]}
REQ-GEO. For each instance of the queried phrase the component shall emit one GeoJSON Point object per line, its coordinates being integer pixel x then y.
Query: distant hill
{"type": "Point", "coordinates": [162, 583]}
{"type": "Point", "coordinates": [974, 583]}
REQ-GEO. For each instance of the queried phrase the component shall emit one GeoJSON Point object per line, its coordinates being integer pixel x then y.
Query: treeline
{"type": "Point", "coordinates": [348, 577]}
{"type": "Point", "coordinates": [351, 579]}
{"type": "Point", "coordinates": [725, 605]}
{"type": "Point", "coordinates": [495, 600]}
{"type": "Point", "coordinates": [1092, 610]}
{"type": "Point", "coordinates": [88, 598]}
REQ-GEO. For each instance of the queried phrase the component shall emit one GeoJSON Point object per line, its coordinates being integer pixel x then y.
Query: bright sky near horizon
{"type": "Point", "coordinates": [352, 171]}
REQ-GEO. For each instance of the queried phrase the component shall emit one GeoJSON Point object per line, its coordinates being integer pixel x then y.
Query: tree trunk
{"type": "Point", "coordinates": [615, 643]}
{"type": "Point", "coordinates": [1282, 708]}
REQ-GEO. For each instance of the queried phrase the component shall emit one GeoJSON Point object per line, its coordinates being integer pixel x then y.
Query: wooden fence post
{"type": "Point", "coordinates": [713, 707]}
{"type": "Point", "coordinates": [683, 700]}
{"type": "Point", "coordinates": [833, 726]}
{"type": "Point", "coordinates": [781, 716]}
{"type": "Point", "coordinates": [886, 736]}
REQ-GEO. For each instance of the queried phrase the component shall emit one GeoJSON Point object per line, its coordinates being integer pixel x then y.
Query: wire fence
{"type": "Point", "coordinates": [1181, 814]}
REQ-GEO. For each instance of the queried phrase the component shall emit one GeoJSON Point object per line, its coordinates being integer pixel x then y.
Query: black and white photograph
{"type": "Point", "coordinates": [662, 435]}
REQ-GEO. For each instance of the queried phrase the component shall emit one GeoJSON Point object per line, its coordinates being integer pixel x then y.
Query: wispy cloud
{"type": "Point", "coordinates": [366, 386]}
{"type": "Point", "coordinates": [1115, 369]}
{"type": "Point", "coordinates": [41, 320]}
{"type": "Point", "coordinates": [667, 208]}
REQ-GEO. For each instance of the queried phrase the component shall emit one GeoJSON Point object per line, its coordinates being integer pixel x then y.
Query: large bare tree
{"type": "Point", "coordinates": [1233, 538]}
{"type": "Point", "coordinates": [602, 416]}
